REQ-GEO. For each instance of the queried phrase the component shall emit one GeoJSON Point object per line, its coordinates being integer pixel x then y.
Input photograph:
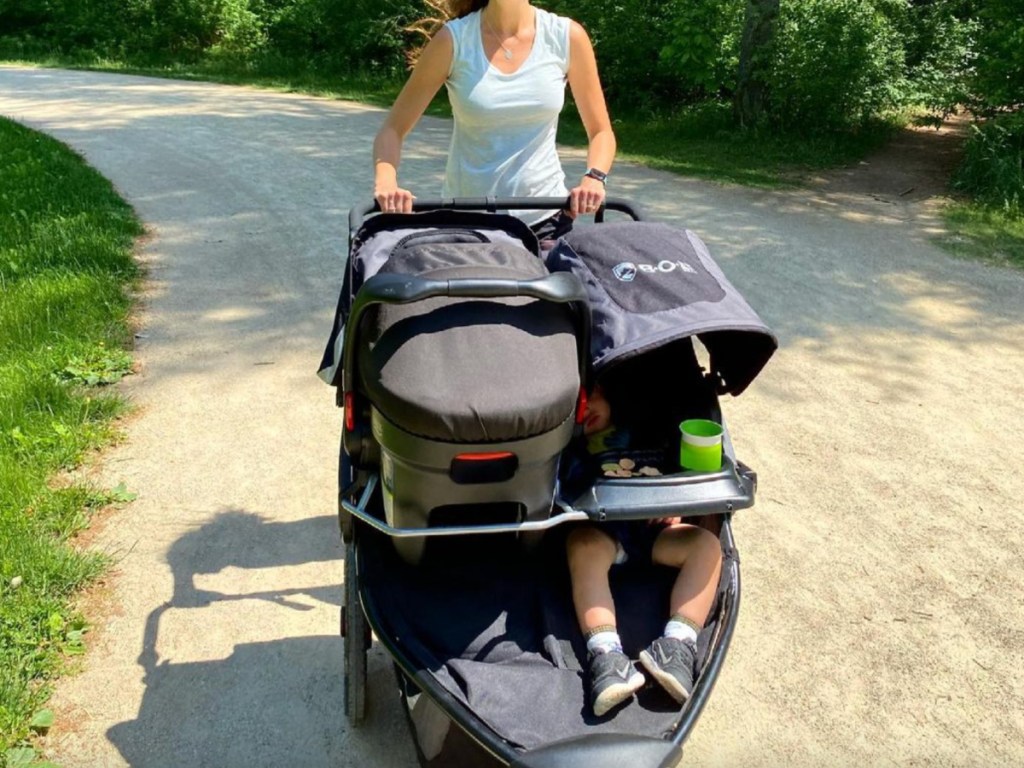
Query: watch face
{"type": "Point", "coordinates": [596, 174]}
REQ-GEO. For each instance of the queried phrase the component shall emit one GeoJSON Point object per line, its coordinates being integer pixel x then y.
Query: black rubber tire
{"type": "Point", "coordinates": [356, 632]}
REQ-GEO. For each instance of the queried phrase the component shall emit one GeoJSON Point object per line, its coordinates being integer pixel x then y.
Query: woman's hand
{"type": "Point", "coordinates": [587, 197]}
{"type": "Point", "coordinates": [394, 199]}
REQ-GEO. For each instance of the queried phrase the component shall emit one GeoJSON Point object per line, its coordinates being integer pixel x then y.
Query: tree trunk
{"type": "Point", "coordinates": [751, 84]}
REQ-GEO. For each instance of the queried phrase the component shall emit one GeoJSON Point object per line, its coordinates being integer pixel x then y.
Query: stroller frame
{"type": "Point", "coordinates": [719, 493]}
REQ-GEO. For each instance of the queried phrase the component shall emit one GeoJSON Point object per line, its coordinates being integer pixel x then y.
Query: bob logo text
{"type": "Point", "coordinates": [627, 271]}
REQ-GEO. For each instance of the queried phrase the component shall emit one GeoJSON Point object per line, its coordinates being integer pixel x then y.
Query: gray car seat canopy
{"type": "Point", "coordinates": [470, 370]}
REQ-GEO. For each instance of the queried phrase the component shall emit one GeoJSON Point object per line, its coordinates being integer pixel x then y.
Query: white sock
{"type": "Point", "coordinates": [602, 642]}
{"type": "Point", "coordinates": [681, 631]}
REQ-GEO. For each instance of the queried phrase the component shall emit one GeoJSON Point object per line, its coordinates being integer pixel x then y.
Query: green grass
{"type": "Point", "coordinates": [989, 223]}
{"type": "Point", "coordinates": [985, 233]}
{"type": "Point", "coordinates": [271, 73]}
{"type": "Point", "coordinates": [701, 141]}
{"type": "Point", "coordinates": [66, 274]}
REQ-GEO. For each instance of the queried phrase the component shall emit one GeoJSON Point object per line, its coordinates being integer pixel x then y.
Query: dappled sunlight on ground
{"type": "Point", "coordinates": [878, 622]}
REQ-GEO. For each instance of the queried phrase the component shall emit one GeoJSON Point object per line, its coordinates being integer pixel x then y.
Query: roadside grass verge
{"type": "Point", "coordinates": [66, 274]}
{"type": "Point", "coordinates": [989, 223]}
{"type": "Point", "coordinates": [701, 141]}
{"type": "Point", "coordinates": [984, 233]}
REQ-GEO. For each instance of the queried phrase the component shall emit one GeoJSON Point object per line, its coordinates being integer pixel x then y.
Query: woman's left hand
{"type": "Point", "coordinates": [587, 197]}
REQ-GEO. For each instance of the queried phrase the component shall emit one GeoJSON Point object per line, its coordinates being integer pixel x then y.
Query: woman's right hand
{"type": "Point", "coordinates": [394, 199]}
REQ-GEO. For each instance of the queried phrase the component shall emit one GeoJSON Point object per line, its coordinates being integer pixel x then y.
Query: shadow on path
{"type": "Point", "coordinates": [272, 692]}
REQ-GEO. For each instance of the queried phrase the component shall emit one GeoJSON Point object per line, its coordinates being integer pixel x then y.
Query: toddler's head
{"type": "Point", "coordinates": [598, 415]}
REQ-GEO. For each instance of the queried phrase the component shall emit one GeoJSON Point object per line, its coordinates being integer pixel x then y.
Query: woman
{"type": "Point", "coordinates": [505, 64]}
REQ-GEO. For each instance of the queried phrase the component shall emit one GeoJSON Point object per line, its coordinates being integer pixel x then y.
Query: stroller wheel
{"type": "Point", "coordinates": [356, 631]}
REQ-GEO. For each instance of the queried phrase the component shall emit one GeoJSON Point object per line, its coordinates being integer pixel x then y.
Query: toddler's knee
{"type": "Point", "coordinates": [688, 543]}
{"type": "Point", "coordinates": [589, 544]}
{"type": "Point", "coordinates": [709, 545]}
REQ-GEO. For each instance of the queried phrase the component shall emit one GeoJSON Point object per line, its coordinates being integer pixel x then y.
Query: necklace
{"type": "Point", "coordinates": [506, 51]}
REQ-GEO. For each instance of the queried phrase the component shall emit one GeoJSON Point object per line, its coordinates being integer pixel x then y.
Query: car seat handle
{"type": "Point", "coordinates": [394, 288]}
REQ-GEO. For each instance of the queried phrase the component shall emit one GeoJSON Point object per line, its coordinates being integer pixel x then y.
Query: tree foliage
{"type": "Point", "coordinates": [999, 81]}
{"type": "Point", "coordinates": [821, 64]}
{"type": "Point", "coordinates": [835, 63]}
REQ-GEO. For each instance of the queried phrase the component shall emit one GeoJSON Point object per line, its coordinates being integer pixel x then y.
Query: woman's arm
{"type": "Point", "coordinates": [426, 79]}
{"type": "Point", "coordinates": [589, 97]}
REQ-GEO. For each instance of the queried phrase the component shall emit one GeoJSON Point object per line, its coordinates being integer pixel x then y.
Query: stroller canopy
{"type": "Point", "coordinates": [650, 284]}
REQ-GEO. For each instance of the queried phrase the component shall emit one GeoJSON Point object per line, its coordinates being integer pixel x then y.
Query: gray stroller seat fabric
{"type": "Point", "coordinates": [470, 370]}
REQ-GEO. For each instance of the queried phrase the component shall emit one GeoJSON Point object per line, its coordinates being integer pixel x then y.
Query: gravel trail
{"type": "Point", "coordinates": [883, 598]}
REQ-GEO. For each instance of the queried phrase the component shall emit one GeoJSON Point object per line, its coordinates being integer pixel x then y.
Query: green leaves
{"type": "Point", "coordinates": [98, 366]}
{"type": "Point", "coordinates": [42, 721]}
{"type": "Point", "coordinates": [20, 757]}
{"type": "Point", "coordinates": [1000, 65]}
{"type": "Point", "coordinates": [121, 494]}
{"type": "Point", "coordinates": [25, 757]}
{"type": "Point", "coordinates": [702, 50]}
{"type": "Point", "coordinates": [993, 166]}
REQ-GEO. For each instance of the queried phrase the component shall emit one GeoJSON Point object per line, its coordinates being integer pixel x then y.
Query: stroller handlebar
{"type": "Point", "coordinates": [494, 204]}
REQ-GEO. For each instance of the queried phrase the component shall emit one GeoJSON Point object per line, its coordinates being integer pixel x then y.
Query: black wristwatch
{"type": "Point", "coordinates": [600, 175]}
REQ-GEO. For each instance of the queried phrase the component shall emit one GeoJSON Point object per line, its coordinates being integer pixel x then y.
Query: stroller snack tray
{"type": "Point", "coordinates": [682, 494]}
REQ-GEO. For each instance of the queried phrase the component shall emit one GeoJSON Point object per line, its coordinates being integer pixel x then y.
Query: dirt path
{"type": "Point", "coordinates": [883, 600]}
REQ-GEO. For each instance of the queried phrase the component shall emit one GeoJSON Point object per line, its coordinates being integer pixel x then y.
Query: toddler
{"type": "Point", "coordinates": [593, 550]}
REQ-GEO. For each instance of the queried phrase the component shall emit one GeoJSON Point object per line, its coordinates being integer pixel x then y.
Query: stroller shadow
{"type": "Point", "coordinates": [268, 702]}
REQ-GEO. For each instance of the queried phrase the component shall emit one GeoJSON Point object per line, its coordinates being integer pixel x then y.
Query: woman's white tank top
{"type": "Point", "coordinates": [503, 140]}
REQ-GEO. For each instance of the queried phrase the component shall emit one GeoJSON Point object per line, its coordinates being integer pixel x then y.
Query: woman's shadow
{"type": "Point", "coordinates": [268, 703]}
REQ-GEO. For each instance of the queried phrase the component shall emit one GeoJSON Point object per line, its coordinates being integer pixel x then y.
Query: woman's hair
{"type": "Point", "coordinates": [444, 10]}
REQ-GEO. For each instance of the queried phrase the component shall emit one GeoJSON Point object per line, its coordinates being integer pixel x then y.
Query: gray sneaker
{"type": "Point", "coordinates": [670, 661]}
{"type": "Point", "coordinates": [613, 679]}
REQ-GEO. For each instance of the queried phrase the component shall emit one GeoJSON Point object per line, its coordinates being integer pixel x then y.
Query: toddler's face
{"type": "Point", "coordinates": [598, 415]}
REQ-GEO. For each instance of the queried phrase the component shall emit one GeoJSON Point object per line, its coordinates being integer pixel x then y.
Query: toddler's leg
{"type": "Point", "coordinates": [591, 554]}
{"type": "Point", "coordinates": [612, 677]}
{"type": "Point", "coordinates": [697, 553]}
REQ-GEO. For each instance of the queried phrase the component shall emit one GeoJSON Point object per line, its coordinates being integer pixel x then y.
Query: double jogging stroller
{"type": "Point", "coordinates": [462, 354]}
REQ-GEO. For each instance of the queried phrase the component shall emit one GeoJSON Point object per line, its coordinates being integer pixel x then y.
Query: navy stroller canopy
{"type": "Point", "coordinates": [650, 284]}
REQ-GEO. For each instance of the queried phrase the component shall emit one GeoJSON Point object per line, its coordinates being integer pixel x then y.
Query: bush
{"type": "Point", "coordinates": [992, 171]}
{"type": "Point", "coordinates": [836, 63]}
{"type": "Point", "coordinates": [941, 45]}
{"type": "Point", "coordinates": [360, 35]}
{"type": "Point", "coordinates": [628, 37]}
{"type": "Point", "coordinates": [1000, 70]}
{"type": "Point", "coordinates": [702, 53]}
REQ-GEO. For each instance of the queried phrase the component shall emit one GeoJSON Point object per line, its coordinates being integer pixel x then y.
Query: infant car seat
{"type": "Point", "coordinates": [471, 399]}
